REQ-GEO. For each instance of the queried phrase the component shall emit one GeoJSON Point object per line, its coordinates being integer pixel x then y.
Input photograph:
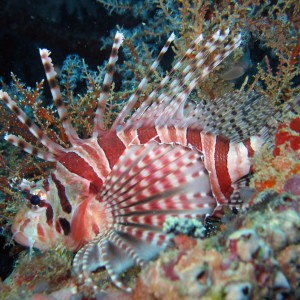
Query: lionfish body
{"type": "Point", "coordinates": [110, 194]}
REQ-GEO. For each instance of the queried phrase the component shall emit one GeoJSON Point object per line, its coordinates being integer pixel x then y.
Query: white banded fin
{"type": "Point", "coordinates": [147, 184]}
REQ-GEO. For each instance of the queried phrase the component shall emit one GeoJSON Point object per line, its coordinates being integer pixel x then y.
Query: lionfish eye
{"type": "Point", "coordinates": [35, 199]}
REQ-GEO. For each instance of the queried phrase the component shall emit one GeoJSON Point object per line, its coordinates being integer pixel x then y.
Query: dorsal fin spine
{"type": "Point", "coordinates": [164, 81]}
{"type": "Point", "coordinates": [170, 102]}
{"type": "Point", "coordinates": [99, 125]}
{"type": "Point", "coordinates": [135, 96]}
{"type": "Point", "coordinates": [57, 97]}
{"type": "Point", "coordinates": [18, 142]}
{"type": "Point", "coordinates": [52, 147]}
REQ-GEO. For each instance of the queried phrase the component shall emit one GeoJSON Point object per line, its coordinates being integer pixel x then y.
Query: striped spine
{"type": "Point", "coordinates": [142, 85]}
{"type": "Point", "coordinates": [111, 194]}
{"type": "Point", "coordinates": [100, 112]}
{"type": "Point", "coordinates": [57, 97]}
{"type": "Point", "coordinates": [51, 146]}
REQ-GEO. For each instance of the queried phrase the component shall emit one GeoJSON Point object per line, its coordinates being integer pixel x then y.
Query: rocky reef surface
{"type": "Point", "coordinates": [256, 255]}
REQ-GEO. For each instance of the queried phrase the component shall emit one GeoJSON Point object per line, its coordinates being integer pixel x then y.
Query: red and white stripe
{"type": "Point", "coordinates": [226, 161]}
{"type": "Point", "coordinates": [57, 97]}
{"type": "Point", "coordinates": [108, 79]}
{"type": "Point", "coordinates": [114, 191]}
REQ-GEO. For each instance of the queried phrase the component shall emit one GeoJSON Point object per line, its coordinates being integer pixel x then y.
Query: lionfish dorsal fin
{"type": "Point", "coordinates": [290, 107]}
{"type": "Point", "coordinates": [237, 116]}
{"type": "Point", "coordinates": [57, 97]}
{"type": "Point", "coordinates": [53, 148]}
{"type": "Point", "coordinates": [27, 147]}
{"type": "Point", "coordinates": [165, 104]}
{"type": "Point", "coordinates": [142, 85]}
{"type": "Point", "coordinates": [99, 125]}
{"type": "Point", "coordinates": [148, 183]}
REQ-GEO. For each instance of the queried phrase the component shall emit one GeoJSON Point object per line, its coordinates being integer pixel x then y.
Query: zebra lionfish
{"type": "Point", "coordinates": [110, 194]}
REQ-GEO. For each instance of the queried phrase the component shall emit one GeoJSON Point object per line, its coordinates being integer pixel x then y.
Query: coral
{"type": "Point", "coordinates": [256, 257]}
{"type": "Point", "coordinates": [292, 185]}
{"type": "Point", "coordinates": [289, 260]}
{"type": "Point", "coordinates": [50, 272]}
{"type": "Point", "coordinates": [274, 229]}
{"type": "Point", "coordinates": [139, 9]}
{"type": "Point", "coordinates": [186, 226]}
{"type": "Point", "coordinates": [287, 137]}
{"type": "Point", "coordinates": [273, 169]}
{"type": "Point", "coordinates": [280, 69]}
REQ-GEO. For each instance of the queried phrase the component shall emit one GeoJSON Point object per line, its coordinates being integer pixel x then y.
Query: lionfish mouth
{"type": "Point", "coordinates": [29, 230]}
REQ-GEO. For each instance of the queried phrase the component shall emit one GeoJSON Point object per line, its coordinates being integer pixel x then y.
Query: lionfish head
{"type": "Point", "coordinates": [33, 224]}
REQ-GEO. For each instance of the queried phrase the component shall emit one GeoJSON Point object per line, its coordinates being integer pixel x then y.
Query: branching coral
{"type": "Point", "coordinates": [257, 257]}
{"type": "Point", "coordinates": [277, 77]}
{"type": "Point", "coordinates": [259, 23]}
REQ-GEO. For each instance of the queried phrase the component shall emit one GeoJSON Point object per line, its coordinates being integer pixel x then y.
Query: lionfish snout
{"type": "Point", "coordinates": [33, 224]}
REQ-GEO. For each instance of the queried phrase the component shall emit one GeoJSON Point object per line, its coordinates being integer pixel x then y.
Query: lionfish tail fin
{"type": "Point", "coordinates": [149, 183]}
{"type": "Point", "coordinates": [237, 116]}
{"type": "Point", "coordinates": [240, 115]}
{"type": "Point", "coordinates": [288, 110]}
{"type": "Point", "coordinates": [292, 106]}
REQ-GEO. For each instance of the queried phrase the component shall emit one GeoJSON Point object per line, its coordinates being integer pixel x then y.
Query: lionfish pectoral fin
{"type": "Point", "coordinates": [88, 259]}
{"type": "Point", "coordinates": [98, 253]}
{"type": "Point", "coordinates": [149, 183]}
{"type": "Point", "coordinates": [106, 251]}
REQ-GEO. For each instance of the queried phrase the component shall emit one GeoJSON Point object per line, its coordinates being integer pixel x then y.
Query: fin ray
{"type": "Point", "coordinates": [172, 181]}
{"type": "Point", "coordinates": [57, 97]}
{"type": "Point", "coordinates": [52, 147]}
